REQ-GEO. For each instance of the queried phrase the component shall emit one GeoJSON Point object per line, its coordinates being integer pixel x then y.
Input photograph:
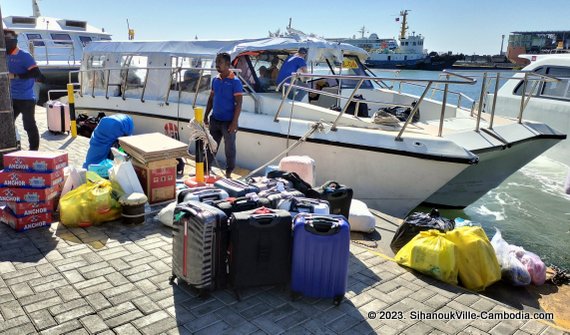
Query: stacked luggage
{"type": "Point", "coordinates": [262, 232]}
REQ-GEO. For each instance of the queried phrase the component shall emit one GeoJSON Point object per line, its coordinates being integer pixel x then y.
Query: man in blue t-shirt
{"type": "Point", "coordinates": [23, 73]}
{"type": "Point", "coordinates": [294, 63]}
{"type": "Point", "coordinates": [225, 99]}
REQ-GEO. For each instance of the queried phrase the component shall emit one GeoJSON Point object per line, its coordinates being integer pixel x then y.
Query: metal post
{"type": "Point", "coordinates": [443, 105]}
{"type": "Point", "coordinates": [292, 82]}
{"type": "Point", "coordinates": [343, 111]}
{"type": "Point", "coordinates": [413, 112]}
{"type": "Point", "coordinates": [481, 97]}
{"type": "Point", "coordinates": [199, 116]}
{"type": "Point", "coordinates": [71, 101]}
{"type": "Point", "coordinates": [494, 99]}
{"type": "Point", "coordinates": [522, 97]}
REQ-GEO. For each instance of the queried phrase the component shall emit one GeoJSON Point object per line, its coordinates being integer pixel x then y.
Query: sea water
{"type": "Point", "coordinates": [530, 208]}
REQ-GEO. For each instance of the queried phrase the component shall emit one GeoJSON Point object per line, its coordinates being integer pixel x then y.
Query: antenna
{"type": "Point", "coordinates": [362, 31]}
{"type": "Point", "coordinates": [36, 8]}
{"type": "Point", "coordinates": [290, 21]}
{"type": "Point", "coordinates": [131, 32]}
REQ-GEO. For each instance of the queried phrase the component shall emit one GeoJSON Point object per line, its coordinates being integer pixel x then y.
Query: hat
{"type": "Point", "coordinates": [303, 51]}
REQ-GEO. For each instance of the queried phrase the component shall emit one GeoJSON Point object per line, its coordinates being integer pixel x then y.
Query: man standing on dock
{"type": "Point", "coordinates": [23, 72]}
{"type": "Point", "coordinates": [225, 99]}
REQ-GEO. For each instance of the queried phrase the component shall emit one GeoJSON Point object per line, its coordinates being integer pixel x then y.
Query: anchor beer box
{"type": "Point", "coordinates": [26, 222]}
{"type": "Point", "coordinates": [15, 178]}
{"type": "Point", "coordinates": [35, 161]}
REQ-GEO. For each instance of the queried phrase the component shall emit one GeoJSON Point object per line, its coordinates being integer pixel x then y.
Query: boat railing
{"type": "Point", "coordinates": [488, 77]}
{"type": "Point", "coordinates": [92, 82]}
{"type": "Point", "coordinates": [460, 95]}
{"type": "Point", "coordinates": [52, 53]}
{"type": "Point", "coordinates": [452, 79]}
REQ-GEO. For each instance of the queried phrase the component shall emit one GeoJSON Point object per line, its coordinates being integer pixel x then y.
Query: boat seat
{"type": "Point", "coordinates": [325, 100]}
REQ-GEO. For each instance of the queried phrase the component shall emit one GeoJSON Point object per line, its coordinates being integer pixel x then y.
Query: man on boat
{"type": "Point", "coordinates": [23, 72]}
{"type": "Point", "coordinates": [293, 64]}
{"type": "Point", "coordinates": [225, 100]}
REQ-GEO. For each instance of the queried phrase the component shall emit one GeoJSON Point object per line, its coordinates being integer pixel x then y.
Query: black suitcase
{"type": "Point", "coordinates": [235, 188]}
{"type": "Point", "coordinates": [233, 205]}
{"type": "Point", "coordinates": [338, 196]}
{"type": "Point", "coordinates": [199, 246]}
{"type": "Point", "coordinates": [260, 248]}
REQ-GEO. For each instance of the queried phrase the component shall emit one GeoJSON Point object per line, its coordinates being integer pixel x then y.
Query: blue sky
{"type": "Point", "coordinates": [459, 26]}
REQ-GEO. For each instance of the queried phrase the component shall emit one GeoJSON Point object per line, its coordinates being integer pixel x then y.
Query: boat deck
{"type": "Point", "coordinates": [113, 278]}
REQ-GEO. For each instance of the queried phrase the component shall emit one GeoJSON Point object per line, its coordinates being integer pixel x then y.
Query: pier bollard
{"type": "Point", "coordinates": [71, 101]}
{"type": "Point", "coordinates": [199, 116]}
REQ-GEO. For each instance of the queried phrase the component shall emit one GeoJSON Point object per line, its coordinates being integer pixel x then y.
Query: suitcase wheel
{"type": "Point", "coordinates": [171, 279]}
{"type": "Point", "coordinates": [338, 299]}
{"type": "Point", "coordinates": [295, 296]}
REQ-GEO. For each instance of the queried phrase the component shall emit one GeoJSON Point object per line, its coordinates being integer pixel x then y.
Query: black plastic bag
{"type": "Point", "coordinates": [417, 222]}
{"type": "Point", "coordinates": [402, 112]}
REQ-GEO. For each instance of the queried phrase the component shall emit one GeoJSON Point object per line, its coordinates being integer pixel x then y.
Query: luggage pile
{"type": "Point", "coordinates": [236, 234]}
{"type": "Point", "coordinates": [30, 186]}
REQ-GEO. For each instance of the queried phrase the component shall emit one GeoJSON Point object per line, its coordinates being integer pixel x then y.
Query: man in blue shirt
{"type": "Point", "coordinates": [23, 73]}
{"type": "Point", "coordinates": [225, 100]}
{"type": "Point", "coordinates": [294, 63]}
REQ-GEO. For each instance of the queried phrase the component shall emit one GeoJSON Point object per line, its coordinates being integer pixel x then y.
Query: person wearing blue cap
{"type": "Point", "coordinates": [295, 63]}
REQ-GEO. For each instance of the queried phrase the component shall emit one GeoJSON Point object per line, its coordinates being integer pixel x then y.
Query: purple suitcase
{"type": "Point", "coordinates": [320, 256]}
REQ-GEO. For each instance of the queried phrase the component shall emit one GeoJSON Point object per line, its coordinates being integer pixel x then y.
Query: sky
{"type": "Point", "coordinates": [460, 26]}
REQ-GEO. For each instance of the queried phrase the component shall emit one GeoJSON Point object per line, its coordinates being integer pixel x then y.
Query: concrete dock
{"type": "Point", "coordinates": [113, 279]}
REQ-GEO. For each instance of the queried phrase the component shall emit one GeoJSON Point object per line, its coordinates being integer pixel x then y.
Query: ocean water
{"type": "Point", "coordinates": [530, 207]}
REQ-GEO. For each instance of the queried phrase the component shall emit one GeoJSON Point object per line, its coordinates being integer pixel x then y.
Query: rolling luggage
{"type": "Point", "coordinates": [338, 196]}
{"type": "Point", "coordinates": [260, 248]}
{"type": "Point", "coordinates": [199, 246]}
{"type": "Point", "coordinates": [296, 205]}
{"type": "Point", "coordinates": [207, 194]}
{"type": "Point", "coordinates": [235, 188]}
{"type": "Point", "coordinates": [320, 256]}
{"type": "Point", "coordinates": [275, 197]}
{"type": "Point", "coordinates": [233, 205]}
{"type": "Point", "coordinates": [265, 183]}
{"type": "Point", "coordinates": [304, 166]}
{"type": "Point", "coordinates": [58, 117]}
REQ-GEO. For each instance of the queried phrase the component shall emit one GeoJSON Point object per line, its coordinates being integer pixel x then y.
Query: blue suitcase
{"type": "Point", "coordinates": [320, 256]}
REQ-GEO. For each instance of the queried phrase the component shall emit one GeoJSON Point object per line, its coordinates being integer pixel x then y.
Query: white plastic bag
{"type": "Point", "coordinates": [74, 178]}
{"type": "Point", "coordinates": [124, 173]}
{"type": "Point", "coordinates": [509, 257]}
{"type": "Point", "coordinates": [166, 215]}
{"type": "Point", "coordinates": [360, 218]}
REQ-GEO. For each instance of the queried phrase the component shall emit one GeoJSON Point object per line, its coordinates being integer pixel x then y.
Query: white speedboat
{"type": "Point", "coordinates": [392, 167]}
{"type": "Point", "coordinates": [548, 102]}
{"type": "Point", "coordinates": [56, 44]}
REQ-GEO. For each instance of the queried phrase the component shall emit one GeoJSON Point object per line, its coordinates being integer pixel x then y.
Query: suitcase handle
{"type": "Point", "coordinates": [331, 184]}
{"type": "Point", "coordinates": [262, 220]}
{"type": "Point", "coordinates": [322, 225]}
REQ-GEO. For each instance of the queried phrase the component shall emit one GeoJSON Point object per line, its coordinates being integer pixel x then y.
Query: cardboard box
{"type": "Point", "coordinates": [20, 209]}
{"type": "Point", "coordinates": [26, 222]}
{"type": "Point", "coordinates": [158, 179]}
{"type": "Point", "coordinates": [13, 194]}
{"type": "Point", "coordinates": [15, 178]}
{"type": "Point", "coordinates": [39, 161]}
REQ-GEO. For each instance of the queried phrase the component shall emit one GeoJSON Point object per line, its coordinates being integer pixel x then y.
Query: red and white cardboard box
{"type": "Point", "coordinates": [13, 194]}
{"type": "Point", "coordinates": [20, 209]}
{"type": "Point", "coordinates": [26, 222]}
{"type": "Point", "coordinates": [15, 178]}
{"type": "Point", "coordinates": [40, 161]}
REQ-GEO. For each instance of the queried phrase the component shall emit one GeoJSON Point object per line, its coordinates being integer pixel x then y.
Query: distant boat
{"type": "Point", "coordinates": [56, 44]}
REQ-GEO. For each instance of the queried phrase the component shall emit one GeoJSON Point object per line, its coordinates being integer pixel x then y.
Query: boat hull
{"type": "Point", "coordinates": [495, 166]}
{"type": "Point", "coordinates": [390, 182]}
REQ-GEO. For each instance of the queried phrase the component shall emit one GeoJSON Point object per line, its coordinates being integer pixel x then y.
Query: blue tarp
{"type": "Point", "coordinates": [109, 129]}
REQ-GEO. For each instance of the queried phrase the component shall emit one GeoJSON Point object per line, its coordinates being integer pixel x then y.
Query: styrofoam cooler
{"type": "Point", "coordinates": [360, 217]}
{"type": "Point", "coordinates": [304, 166]}
{"type": "Point", "coordinates": [58, 117]}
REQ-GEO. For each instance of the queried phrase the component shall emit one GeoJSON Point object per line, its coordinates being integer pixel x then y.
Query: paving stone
{"type": "Point", "coordinates": [149, 319]}
{"type": "Point", "coordinates": [119, 264]}
{"type": "Point", "coordinates": [21, 290]}
{"type": "Point", "coordinates": [533, 327]}
{"type": "Point", "coordinates": [267, 325]}
{"type": "Point", "coordinates": [467, 299]}
{"type": "Point", "coordinates": [483, 305]}
{"type": "Point", "coordinates": [202, 322]}
{"type": "Point", "coordinates": [127, 296]}
{"type": "Point", "coordinates": [27, 328]}
{"type": "Point", "coordinates": [553, 331]}
{"type": "Point", "coordinates": [418, 328]}
{"type": "Point", "coordinates": [216, 328]}
{"type": "Point", "coordinates": [68, 293]}
{"type": "Point", "coordinates": [473, 331]}
{"type": "Point", "coordinates": [11, 309]}
{"type": "Point", "coordinates": [116, 310]}
{"type": "Point", "coordinates": [73, 276]}
{"type": "Point", "coordinates": [24, 278]}
{"type": "Point", "coordinates": [74, 314]}
{"type": "Point", "coordinates": [93, 323]}
{"type": "Point", "coordinates": [80, 331]}
{"type": "Point", "coordinates": [256, 310]}
{"type": "Point", "coordinates": [42, 304]}
{"type": "Point", "coordinates": [46, 269]}
{"type": "Point", "coordinates": [13, 323]}
{"type": "Point", "coordinates": [63, 328]}
{"type": "Point", "coordinates": [145, 305]}
{"type": "Point", "coordinates": [113, 291]}
{"type": "Point", "coordinates": [127, 329]}
{"type": "Point", "coordinates": [243, 329]}
{"type": "Point", "coordinates": [437, 301]}
{"type": "Point", "coordinates": [6, 297]}
{"type": "Point", "coordinates": [116, 278]}
{"type": "Point", "coordinates": [42, 319]}
{"type": "Point", "coordinates": [50, 285]}
{"type": "Point", "coordinates": [208, 307]}
{"type": "Point", "coordinates": [160, 327]}
{"type": "Point", "coordinates": [68, 306]}
{"type": "Point", "coordinates": [123, 318]}
{"type": "Point", "coordinates": [98, 301]}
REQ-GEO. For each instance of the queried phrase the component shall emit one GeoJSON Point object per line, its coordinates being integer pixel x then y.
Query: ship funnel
{"type": "Point", "coordinates": [36, 8]}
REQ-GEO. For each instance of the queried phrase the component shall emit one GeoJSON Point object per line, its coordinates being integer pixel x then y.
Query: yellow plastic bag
{"type": "Point", "coordinates": [90, 204]}
{"type": "Point", "coordinates": [431, 253]}
{"type": "Point", "coordinates": [476, 259]}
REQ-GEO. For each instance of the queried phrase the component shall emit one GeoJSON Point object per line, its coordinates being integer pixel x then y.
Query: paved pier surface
{"type": "Point", "coordinates": [113, 279]}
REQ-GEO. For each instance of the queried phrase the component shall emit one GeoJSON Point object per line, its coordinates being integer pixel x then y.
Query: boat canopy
{"type": "Point", "coordinates": [319, 49]}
